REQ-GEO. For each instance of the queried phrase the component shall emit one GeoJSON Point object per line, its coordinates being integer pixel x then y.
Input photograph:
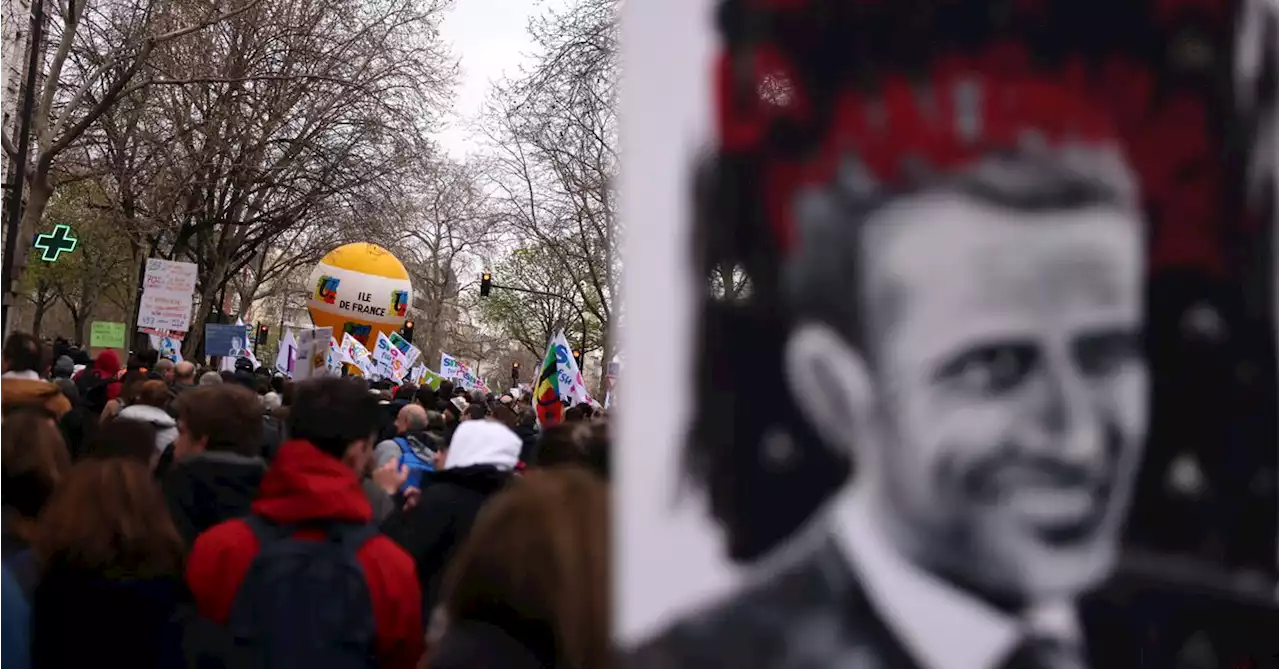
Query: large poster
{"type": "Point", "coordinates": [959, 384]}
{"type": "Point", "coordinates": [167, 289]}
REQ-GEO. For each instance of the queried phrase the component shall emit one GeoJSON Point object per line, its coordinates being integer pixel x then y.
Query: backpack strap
{"type": "Point", "coordinates": [351, 536]}
{"type": "Point", "coordinates": [267, 531]}
{"type": "Point", "coordinates": [405, 448]}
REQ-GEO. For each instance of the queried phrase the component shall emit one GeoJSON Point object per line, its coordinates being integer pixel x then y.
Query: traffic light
{"type": "Point", "coordinates": [515, 373]}
{"type": "Point", "coordinates": [262, 336]}
{"type": "Point", "coordinates": [486, 284]}
{"type": "Point", "coordinates": [577, 357]}
{"type": "Point", "coordinates": [407, 331]}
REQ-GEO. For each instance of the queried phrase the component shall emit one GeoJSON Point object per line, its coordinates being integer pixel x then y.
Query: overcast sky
{"type": "Point", "coordinates": [489, 38]}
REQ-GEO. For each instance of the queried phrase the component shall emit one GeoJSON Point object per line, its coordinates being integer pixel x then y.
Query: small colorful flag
{"type": "Point", "coordinates": [547, 391]}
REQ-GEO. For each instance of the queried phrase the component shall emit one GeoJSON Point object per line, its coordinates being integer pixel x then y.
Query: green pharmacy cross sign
{"type": "Point", "coordinates": [55, 243]}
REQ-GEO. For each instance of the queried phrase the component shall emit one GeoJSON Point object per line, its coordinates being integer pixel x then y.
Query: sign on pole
{"type": "Point", "coordinates": [105, 334]}
{"type": "Point", "coordinates": [313, 352]}
{"type": "Point", "coordinates": [167, 288]}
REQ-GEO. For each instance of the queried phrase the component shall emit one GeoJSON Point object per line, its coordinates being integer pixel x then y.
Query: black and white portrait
{"type": "Point", "coordinates": [940, 356]}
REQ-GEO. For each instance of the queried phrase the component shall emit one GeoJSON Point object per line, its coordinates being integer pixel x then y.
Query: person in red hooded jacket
{"type": "Point", "coordinates": [101, 383]}
{"type": "Point", "coordinates": [312, 486]}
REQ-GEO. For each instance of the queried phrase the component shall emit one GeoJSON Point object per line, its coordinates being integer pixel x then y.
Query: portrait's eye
{"type": "Point", "coordinates": [989, 370]}
{"type": "Point", "coordinates": [1102, 353]}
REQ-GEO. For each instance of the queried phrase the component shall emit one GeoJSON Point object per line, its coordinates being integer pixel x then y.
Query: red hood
{"type": "Point", "coordinates": [107, 364]}
{"type": "Point", "coordinates": [303, 483]}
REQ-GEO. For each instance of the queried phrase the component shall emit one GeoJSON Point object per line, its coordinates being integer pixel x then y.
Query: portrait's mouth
{"type": "Point", "coordinates": [1059, 515]}
{"type": "Point", "coordinates": [1058, 503]}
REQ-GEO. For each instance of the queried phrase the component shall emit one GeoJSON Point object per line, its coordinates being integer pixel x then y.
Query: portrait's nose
{"type": "Point", "coordinates": [1068, 418]}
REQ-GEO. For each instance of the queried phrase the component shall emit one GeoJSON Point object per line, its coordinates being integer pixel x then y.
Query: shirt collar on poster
{"type": "Point", "coordinates": [942, 626]}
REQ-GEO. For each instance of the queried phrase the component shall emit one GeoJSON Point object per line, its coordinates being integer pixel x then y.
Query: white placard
{"type": "Point", "coordinates": [313, 353]}
{"type": "Point", "coordinates": [167, 287]}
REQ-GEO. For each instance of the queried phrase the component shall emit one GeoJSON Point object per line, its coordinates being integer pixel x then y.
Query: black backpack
{"type": "Point", "coordinates": [93, 391]}
{"type": "Point", "coordinates": [304, 603]}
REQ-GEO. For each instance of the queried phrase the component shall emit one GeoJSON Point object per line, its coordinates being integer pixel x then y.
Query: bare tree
{"type": "Point", "coordinates": [288, 128]}
{"type": "Point", "coordinates": [445, 226]}
{"type": "Point", "coordinates": [553, 132]}
{"type": "Point", "coordinates": [531, 318]}
{"type": "Point", "coordinates": [96, 51]}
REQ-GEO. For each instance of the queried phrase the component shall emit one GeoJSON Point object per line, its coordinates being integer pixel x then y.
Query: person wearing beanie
{"type": "Point", "coordinates": [63, 368]}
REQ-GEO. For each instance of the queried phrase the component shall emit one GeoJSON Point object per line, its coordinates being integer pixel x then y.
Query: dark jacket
{"type": "Point", "coordinates": [100, 383]}
{"type": "Point", "coordinates": [305, 487]}
{"type": "Point", "coordinates": [175, 393]}
{"type": "Point", "coordinates": [528, 443]}
{"type": "Point", "coordinates": [816, 613]}
{"type": "Point", "coordinates": [77, 426]}
{"type": "Point", "coordinates": [206, 489]}
{"type": "Point", "coordinates": [273, 434]}
{"type": "Point", "coordinates": [433, 530]}
{"type": "Point", "coordinates": [85, 620]}
{"type": "Point", "coordinates": [471, 644]}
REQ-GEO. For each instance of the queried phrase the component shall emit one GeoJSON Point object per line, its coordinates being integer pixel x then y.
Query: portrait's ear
{"type": "Point", "coordinates": [830, 383]}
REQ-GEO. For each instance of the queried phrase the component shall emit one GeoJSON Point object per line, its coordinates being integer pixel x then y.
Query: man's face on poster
{"type": "Point", "coordinates": [1004, 351]}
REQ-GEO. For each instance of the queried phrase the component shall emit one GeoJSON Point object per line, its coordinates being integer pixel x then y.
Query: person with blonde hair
{"type": "Point", "coordinates": [530, 587]}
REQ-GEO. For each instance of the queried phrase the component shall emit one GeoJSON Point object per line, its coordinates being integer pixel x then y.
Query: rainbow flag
{"type": "Point", "coordinates": [547, 391]}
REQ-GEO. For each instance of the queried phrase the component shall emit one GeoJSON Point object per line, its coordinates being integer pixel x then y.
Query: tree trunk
{"type": "Point", "coordinates": [38, 194]}
{"type": "Point", "coordinates": [36, 318]}
{"type": "Point", "coordinates": [195, 336]}
{"type": "Point", "coordinates": [78, 323]}
{"type": "Point", "coordinates": [131, 317]}
{"type": "Point", "coordinates": [606, 358]}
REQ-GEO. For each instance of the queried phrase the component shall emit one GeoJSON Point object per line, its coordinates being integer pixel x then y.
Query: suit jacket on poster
{"type": "Point", "coordinates": [816, 615]}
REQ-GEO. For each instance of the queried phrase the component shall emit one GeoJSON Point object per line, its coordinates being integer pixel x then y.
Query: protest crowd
{"type": "Point", "coordinates": [160, 514]}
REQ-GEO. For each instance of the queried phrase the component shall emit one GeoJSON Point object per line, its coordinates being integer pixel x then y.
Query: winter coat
{"type": "Point", "coordinates": [166, 427]}
{"type": "Point", "coordinates": [305, 486]}
{"type": "Point", "coordinates": [479, 464]}
{"type": "Point", "coordinates": [209, 488]}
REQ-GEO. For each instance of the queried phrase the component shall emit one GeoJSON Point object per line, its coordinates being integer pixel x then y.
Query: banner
{"type": "Point", "coordinates": [313, 348]}
{"type": "Point", "coordinates": [167, 347]}
{"type": "Point", "coordinates": [429, 378]}
{"type": "Point", "coordinates": [411, 352]}
{"type": "Point", "coordinates": [390, 360]}
{"type": "Point", "coordinates": [570, 382]}
{"type": "Point", "coordinates": [167, 287]}
{"type": "Point", "coordinates": [610, 378]}
{"type": "Point", "coordinates": [453, 369]}
{"type": "Point", "coordinates": [105, 334]}
{"type": "Point", "coordinates": [357, 354]}
{"type": "Point", "coordinates": [450, 367]}
{"type": "Point", "coordinates": [287, 355]}
{"type": "Point", "coordinates": [224, 340]}
{"type": "Point", "coordinates": [334, 359]}
{"type": "Point", "coordinates": [421, 376]}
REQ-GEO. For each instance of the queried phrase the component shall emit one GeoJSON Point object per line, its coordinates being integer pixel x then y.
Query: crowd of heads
{"type": "Point", "coordinates": [91, 455]}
